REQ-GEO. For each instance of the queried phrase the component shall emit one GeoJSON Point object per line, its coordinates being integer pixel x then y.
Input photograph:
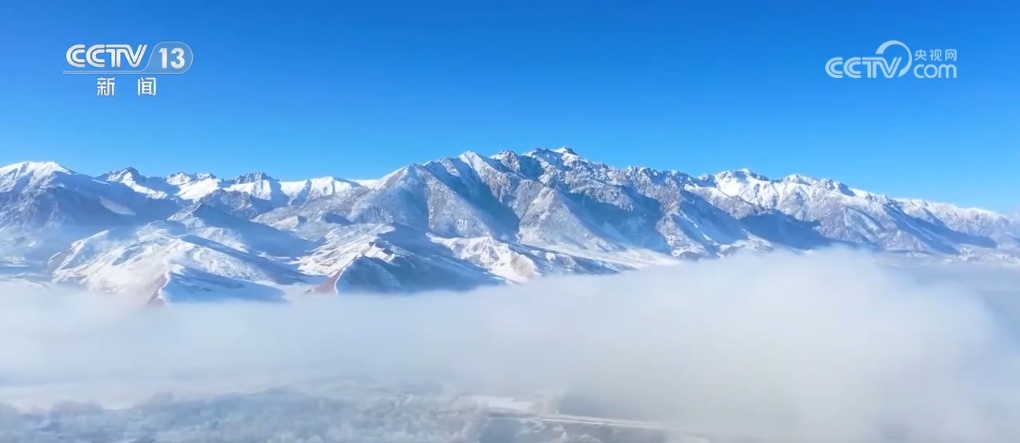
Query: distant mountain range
{"type": "Point", "coordinates": [452, 223]}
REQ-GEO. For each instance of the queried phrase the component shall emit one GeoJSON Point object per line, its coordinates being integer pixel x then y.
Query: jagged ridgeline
{"type": "Point", "coordinates": [454, 223]}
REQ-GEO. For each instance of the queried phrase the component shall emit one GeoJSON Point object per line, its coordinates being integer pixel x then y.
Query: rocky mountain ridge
{"type": "Point", "coordinates": [453, 223]}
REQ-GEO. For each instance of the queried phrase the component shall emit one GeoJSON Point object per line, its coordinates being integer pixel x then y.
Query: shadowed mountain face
{"type": "Point", "coordinates": [453, 223]}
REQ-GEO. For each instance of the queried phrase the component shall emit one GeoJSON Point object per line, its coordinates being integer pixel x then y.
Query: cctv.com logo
{"type": "Point", "coordinates": [893, 59]}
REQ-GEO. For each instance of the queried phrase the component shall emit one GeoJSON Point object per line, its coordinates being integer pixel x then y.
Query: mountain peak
{"type": "Point", "coordinates": [252, 177]}
{"type": "Point", "coordinates": [17, 176]}
{"type": "Point", "coordinates": [505, 155]}
{"type": "Point", "coordinates": [801, 179]}
{"type": "Point", "coordinates": [561, 151]}
{"type": "Point", "coordinates": [34, 168]}
{"type": "Point", "coordinates": [827, 183]}
{"type": "Point", "coordinates": [742, 174]}
{"type": "Point", "coordinates": [126, 174]}
{"type": "Point", "coordinates": [558, 158]}
{"type": "Point", "coordinates": [179, 178]}
{"type": "Point", "coordinates": [480, 162]}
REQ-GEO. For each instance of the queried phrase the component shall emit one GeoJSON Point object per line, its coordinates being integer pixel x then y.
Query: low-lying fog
{"type": "Point", "coordinates": [828, 347]}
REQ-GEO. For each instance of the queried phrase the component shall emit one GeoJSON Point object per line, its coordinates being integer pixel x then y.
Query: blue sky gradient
{"type": "Point", "coordinates": [356, 89]}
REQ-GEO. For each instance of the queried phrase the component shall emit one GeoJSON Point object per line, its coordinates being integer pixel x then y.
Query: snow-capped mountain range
{"type": "Point", "coordinates": [453, 223]}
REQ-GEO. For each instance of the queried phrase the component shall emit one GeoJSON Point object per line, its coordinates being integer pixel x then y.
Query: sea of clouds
{"type": "Point", "coordinates": [829, 347]}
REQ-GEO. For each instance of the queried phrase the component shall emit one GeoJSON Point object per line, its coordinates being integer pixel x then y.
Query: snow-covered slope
{"type": "Point", "coordinates": [860, 217]}
{"type": "Point", "coordinates": [258, 185]}
{"type": "Point", "coordinates": [165, 259]}
{"type": "Point", "coordinates": [44, 206]}
{"type": "Point", "coordinates": [452, 223]}
{"type": "Point", "coordinates": [210, 223]}
{"type": "Point", "coordinates": [400, 258]}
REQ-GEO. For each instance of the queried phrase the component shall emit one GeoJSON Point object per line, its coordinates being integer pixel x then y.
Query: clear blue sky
{"type": "Point", "coordinates": [357, 88]}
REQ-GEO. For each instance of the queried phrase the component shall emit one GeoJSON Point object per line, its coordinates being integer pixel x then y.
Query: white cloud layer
{"type": "Point", "coordinates": [828, 347]}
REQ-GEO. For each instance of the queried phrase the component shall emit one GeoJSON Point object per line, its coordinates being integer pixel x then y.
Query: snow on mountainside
{"type": "Point", "coordinates": [44, 206]}
{"type": "Point", "coordinates": [258, 185]}
{"type": "Point", "coordinates": [860, 217]}
{"type": "Point", "coordinates": [452, 223]}
{"type": "Point", "coordinates": [146, 260]}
